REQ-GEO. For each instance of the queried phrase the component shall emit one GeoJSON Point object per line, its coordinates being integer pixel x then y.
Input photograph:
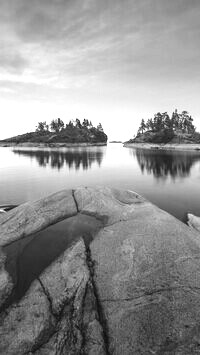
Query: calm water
{"type": "Point", "coordinates": [169, 179]}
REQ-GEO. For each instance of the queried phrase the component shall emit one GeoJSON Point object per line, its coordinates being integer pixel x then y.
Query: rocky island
{"type": "Point", "coordinates": [163, 132]}
{"type": "Point", "coordinates": [59, 134]}
{"type": "Point", "coordinates": [127, 283]}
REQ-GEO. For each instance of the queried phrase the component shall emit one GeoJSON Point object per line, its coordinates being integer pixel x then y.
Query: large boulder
{"type": "Point", "coordinates": [147, 274]}
{"type": "Point", "coordinates": [134, 290]}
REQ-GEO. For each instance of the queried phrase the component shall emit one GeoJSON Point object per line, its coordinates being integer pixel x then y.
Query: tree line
{"type": "Point", "coordinates": [178, 122]}
{"type": "Point", "coordinates": [58, 125]}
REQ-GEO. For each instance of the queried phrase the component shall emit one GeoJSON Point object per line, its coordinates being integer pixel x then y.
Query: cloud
{"type": "Point", "coordinates": [101, 37]}
{"type": "Point", "coordinates": [11, 60]}
{"type": "Point", "coordinates": [100, 50]}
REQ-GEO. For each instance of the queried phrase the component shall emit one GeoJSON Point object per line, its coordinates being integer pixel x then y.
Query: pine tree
{"type": "Point", "coordinates": [57, 125]}
{"type": "Point", "coordinates": [100, 128]}
{"type": "Point", "coordinates": [42, 127]}
{"type": "Point", "coordinates": [78, 123]}
{"type": "Point", "coordinates": [142, 126]}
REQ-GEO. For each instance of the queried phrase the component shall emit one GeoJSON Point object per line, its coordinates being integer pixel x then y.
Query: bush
{"type": "Point", "coordinates": [164, 136]}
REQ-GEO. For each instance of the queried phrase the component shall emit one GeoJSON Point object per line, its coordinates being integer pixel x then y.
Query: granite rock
{"type": "Point", "coordinates": [147, 276]}
{"type": "Point", "coordinates": [31, 217]}
{"type": "Point", "coordinates": [108, 205]}
{"type": "Point", "coordinates": [49, 318]}
{"type": "Point", "coordinates": [6, 283]}
{"type": "Point", "coordinates": [194, 221]}
{"type": "Point", "coordinates": [135, 290]}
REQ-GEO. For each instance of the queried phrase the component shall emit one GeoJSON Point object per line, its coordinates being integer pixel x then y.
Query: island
{"type": "Point", "coordinates": [165, 132]}
{"type": "Point", "coordinates": [57, 133]}
{"type": "Point", "coordinates": [123, 278]}
{"type": "Point", "coordinates": [115, 142]}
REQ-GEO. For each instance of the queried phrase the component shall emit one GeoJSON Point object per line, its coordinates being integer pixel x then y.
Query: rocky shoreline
{"type": "Point", "coordinates": [168, 146]}
{"type": "Point", "coordinates": [51, 145]}
{"type": "Point", "coordinates": [133, 290]}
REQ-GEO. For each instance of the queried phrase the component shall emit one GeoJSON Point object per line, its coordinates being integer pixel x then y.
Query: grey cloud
{"type": "Point", "coordinates": [51, 20]}
{"type": "Point", "coordinates": [127, 38]}
{"type": "Point", "coordinates": [12, 61]}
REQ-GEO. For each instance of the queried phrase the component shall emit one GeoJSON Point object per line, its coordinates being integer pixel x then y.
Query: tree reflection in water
{"type": "Point", "coordinates": [166, 163]}
{"type": "Point", "coordinates": [74, 159]}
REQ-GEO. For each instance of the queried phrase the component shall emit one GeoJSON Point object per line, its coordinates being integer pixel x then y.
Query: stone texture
{"type": "Point", "coordinates": [194, 221]}
{"type": "Point", "coordinates": [134, 291]}
{"type": "Point", "coordinates": [92, 329]}
{"type": "Point", "coordinates": [27, 324]}
{"type": "Point", "coordinates": [32, 217]}
{"type": "Point", "coordinates": [147, 275]}
{"type": "Point", "coordinates": [108, 205]}
{"type": "Point", "coordinates": [6, 283]}
{"type": "Point", "coordinates": [66, 277]}
{"type": "Point", "coordinates": [49, 318]}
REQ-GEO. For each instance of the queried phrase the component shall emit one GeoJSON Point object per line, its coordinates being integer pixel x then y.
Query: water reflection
{"type": "Point", "coordinates": [73, 158]}
{"type": "Point", "coordinates": [166, 163]}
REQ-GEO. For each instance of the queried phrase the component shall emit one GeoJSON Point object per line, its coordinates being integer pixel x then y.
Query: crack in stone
{"type": "Point", "coordinates": [151, 293]}
{"type": "Point", "coordinates": [102, 320]}
{"type": "Point", "coordinates": [48, 297]}
{"type": "Point", "coordinates": [75, 200]}
{"type": "Point", "coordinates": [58, 319]}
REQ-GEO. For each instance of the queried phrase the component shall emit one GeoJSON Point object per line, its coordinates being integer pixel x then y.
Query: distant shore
{"type": "Point", "coordinates": [168, 146]}
{"type": "Point", "coordinates": [51, 145]}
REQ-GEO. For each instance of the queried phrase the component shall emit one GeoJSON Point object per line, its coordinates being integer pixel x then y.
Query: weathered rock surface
{"type": "Point", "coordinates": [32, 217]}
{"type": "Point", "coordinates": [134, 291]}
{"type": "Point", "coordinates": [108, 205]}
{"type": "Point", "coordinates": [148, 280]}
{"type": "Point", "coordinates": [6, 283]}
{"type": "Point", "coordinates": [194, 221]}
{"type": "Point", "coordinates": [49, 318]}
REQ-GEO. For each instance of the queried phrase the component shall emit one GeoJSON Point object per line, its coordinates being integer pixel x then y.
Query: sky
{"type": "Point", "coordinates": [110, 61]}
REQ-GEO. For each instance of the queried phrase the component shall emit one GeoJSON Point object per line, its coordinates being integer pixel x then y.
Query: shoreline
{"type": "Point", "coordinates": [168, 146]}
{"type": "Point", "coordinates": [51, 145]}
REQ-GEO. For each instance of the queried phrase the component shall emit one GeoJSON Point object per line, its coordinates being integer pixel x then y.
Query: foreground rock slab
{"type": "Point", "coordinates": [32, 217]}
{"type": "Point", "coordinates": [49, 318]}
{"type": "Point", "coordinates": [134, 290]}
{"type": "Point", "coordinates": [146, 270]}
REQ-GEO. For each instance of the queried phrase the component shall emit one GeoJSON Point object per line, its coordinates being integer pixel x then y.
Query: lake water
{"type": "Point", "coordinates": [171, 180]}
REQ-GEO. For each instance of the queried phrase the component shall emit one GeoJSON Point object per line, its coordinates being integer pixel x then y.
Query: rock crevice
{"type": "Point", "coordinates": [133, 290]}
{"type": "Point", "coordinates": [100, 313]}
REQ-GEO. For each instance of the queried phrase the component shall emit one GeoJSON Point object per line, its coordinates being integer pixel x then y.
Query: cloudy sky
{"type": "Point", "coordinates": [111, 61]}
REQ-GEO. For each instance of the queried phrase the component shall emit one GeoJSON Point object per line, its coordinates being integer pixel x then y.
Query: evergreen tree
{"type": "Point", "coordinates": [148, 124]}
{"type": "Point", "coordinates": [57, 125]}
{"type": "Point", "coordinates": [159, 122]}
{"type": "Point", "coordinates": [167, 121]}
{"type": "Point", "coordinates": [178, 122]}
{"type": "Point", "coordinates": [42, 127]}
{"type": "Point", "coordinates": [70, 124]}
{"type": "Point", "coordinates": [142, 126]}
{"type": "Point", "coordinates": [85, 123]}
{"type": "Point", "coordinates": [100, 128]}
{"type": "Point", "coordinates": [78, 123]}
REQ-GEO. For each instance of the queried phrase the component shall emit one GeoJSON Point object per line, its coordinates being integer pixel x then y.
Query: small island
{"type": "Point", "coordinates": [175, 132]}
{"type": "Point", "coordinates": [57, 133]}
{"type": "Point", "coordinates": [115, 142]}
